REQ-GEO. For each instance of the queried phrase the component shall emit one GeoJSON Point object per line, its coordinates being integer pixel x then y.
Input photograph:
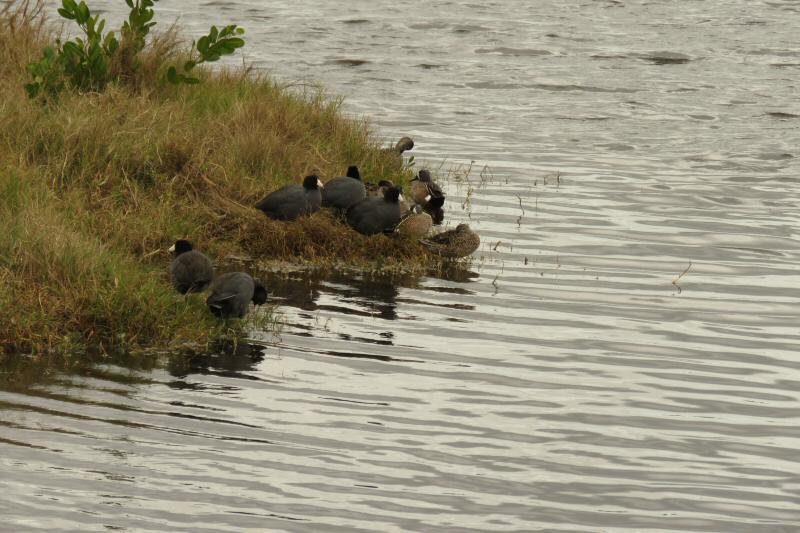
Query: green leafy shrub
{"type": "Point", "coordinates": [210, 48]}
{"type": "Point", "coordinates": [85, 63]}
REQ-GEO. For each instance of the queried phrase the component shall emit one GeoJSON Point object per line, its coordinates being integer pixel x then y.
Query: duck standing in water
{"type": "Point", "coordinates": [190, 271]}
{"type": "Point", "coordinates": [293, 201]}
{"type": "Point", "coordinates": [453, 244]}
{"type": "Point", "coordinates": [232, 293]}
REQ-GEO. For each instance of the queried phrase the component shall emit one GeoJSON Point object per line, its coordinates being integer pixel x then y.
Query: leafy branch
{"type": "Point", "coordinates": [208, 48]}
{"type": "Point", "coordinates": [83, 63]}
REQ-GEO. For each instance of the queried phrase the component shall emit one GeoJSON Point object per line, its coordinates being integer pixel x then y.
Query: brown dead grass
{"type": "Point", "coordinates": [95, 187]}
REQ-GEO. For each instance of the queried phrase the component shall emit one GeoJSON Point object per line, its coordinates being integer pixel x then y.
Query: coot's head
{"type": "Point", "coordinates": [393, 194]}
{"type": "Point", "coordinates": [180, 246]}
{"type": "Point", "coordinates": [352, 172]}
{"type": "Point", "coordinates": [259, 293]}
{"type": "Point", "coordinates": [311, 183]}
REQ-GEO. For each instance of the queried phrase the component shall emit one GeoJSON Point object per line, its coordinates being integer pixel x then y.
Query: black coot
{"type": "Point", "coordinates": [232, 293]}
{"type": "Point", "coordinates": [293, 201]}
{"type": "Point", "coordinates": [190, 271]}
{"type": "Point", "coordinates": [344, 191]}
{"type": "Point", "coordinates": [375, 215]}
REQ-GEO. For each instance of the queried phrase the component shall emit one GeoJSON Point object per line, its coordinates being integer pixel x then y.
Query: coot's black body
{"type": "Point", "coordinates": [232, 293]}
{"type": "Point", "coordinates": [375, 215]}
{"type": "Point", "coordinates": [293, 201]}
{"type": "Point", "coordinates": [344, 191]}
{"type": "Point", "coordinates": [190, 271]}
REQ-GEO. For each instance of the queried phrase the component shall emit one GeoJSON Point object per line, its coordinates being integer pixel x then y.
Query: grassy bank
{"type": "Point", "coordinates": [96, 186]}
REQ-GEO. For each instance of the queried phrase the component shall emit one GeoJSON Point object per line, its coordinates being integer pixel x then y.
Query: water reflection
{"type": "Point", "coordinates": [362, 294]}
{"type": "Point", "coordinates": [227, 359]}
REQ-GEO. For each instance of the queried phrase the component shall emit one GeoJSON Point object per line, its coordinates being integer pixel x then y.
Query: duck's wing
{"type": "Point", "coordinates": [441, 239]}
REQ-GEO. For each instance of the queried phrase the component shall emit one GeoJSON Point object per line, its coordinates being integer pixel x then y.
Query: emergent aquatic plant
{"type": "Point", "coordinates": [90, 62]}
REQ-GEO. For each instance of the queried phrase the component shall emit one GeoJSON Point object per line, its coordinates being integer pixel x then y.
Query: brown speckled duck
{"type": "Point", "coordinates": [425, 192]}
{"type": "Point", "coordinates": [416, 224]}
{"type": "Point", "coordinates": [453, 244]}
{"type": "Point", "coordinates": [396, 152]}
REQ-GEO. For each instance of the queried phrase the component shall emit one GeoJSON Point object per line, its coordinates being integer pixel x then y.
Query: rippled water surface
{"type": "Point", "coordinates": [570, 379]}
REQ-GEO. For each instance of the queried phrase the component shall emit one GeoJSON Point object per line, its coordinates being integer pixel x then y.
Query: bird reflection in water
{"type": "Point", "coordinates": [355, 294]}
{"type": "Point", "coordinates": [226, 359]}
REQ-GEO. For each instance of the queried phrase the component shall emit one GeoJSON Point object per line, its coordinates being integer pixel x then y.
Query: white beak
{"type": "Point", "coordinates": [172, 248]}
{"type": "Point", "coordinates": [319, 184]}
{"type": "Point", "coordinates": [428, 198]}
{"type": "Point", "coordinates": [400, 198]}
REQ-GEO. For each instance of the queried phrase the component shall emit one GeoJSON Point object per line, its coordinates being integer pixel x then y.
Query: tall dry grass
{"type": "Point", "coordinates": [95, 187]}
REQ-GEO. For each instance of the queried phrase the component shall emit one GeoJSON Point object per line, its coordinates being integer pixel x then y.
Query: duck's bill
{"type": "Point", "coordinates": [319, 184]}
{"type": "Point", "coordinates": [172, 248]}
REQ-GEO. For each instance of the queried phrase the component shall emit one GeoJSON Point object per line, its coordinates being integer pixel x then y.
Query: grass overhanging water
{"type": "Point", "coordinates": [95, 186]}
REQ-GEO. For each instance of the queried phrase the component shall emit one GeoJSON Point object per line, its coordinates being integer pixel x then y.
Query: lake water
{"type": "Point", "coordinates": [571, 379]}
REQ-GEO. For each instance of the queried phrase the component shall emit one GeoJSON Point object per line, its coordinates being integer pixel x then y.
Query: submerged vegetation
{"type": "Point", "coordinates": [95, 185]}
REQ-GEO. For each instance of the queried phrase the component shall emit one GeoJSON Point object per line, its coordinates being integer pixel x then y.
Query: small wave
{"type": "Point", "coordinates": [666, 58]}
{"type": "Point", "coordinates": [504, 51]}
{"type": "Point", "coordinates": [572, 87]}
{"type": "Point", "coordinates": [610, 56]}
{"type": "Point", "coordinates": [348, 62]}
{"type": "Point", "coordinates": [428, 26]}
{"type": "Point", "coordinates": [782, 115]}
